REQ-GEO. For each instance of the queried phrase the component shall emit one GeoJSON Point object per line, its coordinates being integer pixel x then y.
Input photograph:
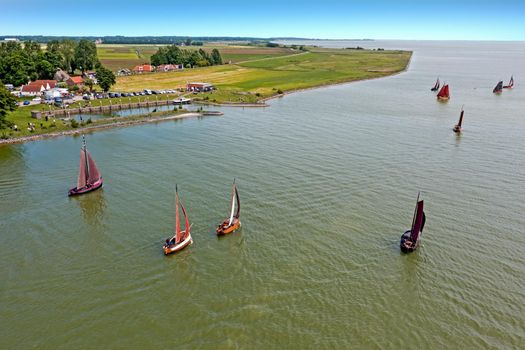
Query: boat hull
{"type": "Point", "coordinates": [406, 244]}
{"type": "Point", "coordinates": [78, 191]}
{"type": "Point", "coordinates": [224, 229]}
{"type": "Point", "coordinates": [457, 129]}
{"type": "Point", "coordinates": [173, 248]}
{"type": "Point", "coordinates": [443, 98]}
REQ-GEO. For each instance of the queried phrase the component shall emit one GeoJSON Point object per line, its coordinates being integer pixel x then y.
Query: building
{"type": "Point", "coordinates": [37, 87]}
{"type": "Point", "coordinates": [123, 72]}
{"type": "Point", "coordinates": [144, 68]}
{"type": "Point", "coordinates": [60, 75]}
{"type": "Point", "coordinates": [199, 87]}
{"type": "Point", "coordinates": [169, 67]}
{"type": "Point", "coordinates": [77, 80]}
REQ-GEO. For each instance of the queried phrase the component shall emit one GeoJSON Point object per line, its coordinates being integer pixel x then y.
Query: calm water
{"type": "Point", "coordinates": [328, 180]}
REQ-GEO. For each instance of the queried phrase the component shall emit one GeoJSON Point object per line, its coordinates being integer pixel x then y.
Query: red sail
{"type": "Point", "coordinates": [418, 223]}
{"type": "Point", "coordinates": [461, 118]}
{"type": "Point", "coordinates": [94, 174]}
{"type": "Point", "coordinates": [498, 88]}
{"type": "Point", "coordinates": [444, 91]}
{"type": "Point", "coordinates": [187, 224]}
{"type": "Point", "coordinates": [178, 235]}
{"type": "Point", "coordinates": [82, 175]}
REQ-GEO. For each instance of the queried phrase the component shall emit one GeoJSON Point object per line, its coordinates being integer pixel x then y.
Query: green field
{"type": "Point", "coordinates": [127, 56]}
{"type": "Point", "coordinates": [253, 80]}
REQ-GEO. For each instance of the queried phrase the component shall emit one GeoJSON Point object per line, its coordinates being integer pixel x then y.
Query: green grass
{"type": "Point", "coordinates": [242, 81]}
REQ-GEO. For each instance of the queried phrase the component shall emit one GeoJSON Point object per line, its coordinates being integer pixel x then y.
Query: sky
{"type": "Point", "coordinates": [323, 19]}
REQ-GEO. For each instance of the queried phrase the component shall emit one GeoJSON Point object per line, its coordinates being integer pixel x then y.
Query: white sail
{"type": "Point", "coordinates": [233, 207]}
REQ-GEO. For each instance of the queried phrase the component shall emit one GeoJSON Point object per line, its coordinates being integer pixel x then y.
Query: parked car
{"type": "Point", "coordinates": [86, 97]}
{"type": "Point", "coordinates": [37, 99]}
{"type": "Point", "coordinates": [26, 102]}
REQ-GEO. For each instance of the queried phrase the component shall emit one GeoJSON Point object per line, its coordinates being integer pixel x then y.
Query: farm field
{"type": "Point", "coordinates": [250, 81]}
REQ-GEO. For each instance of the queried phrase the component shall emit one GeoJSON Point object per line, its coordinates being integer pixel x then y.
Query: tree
{"type": "Point", "coordinates": [89, 83]}
{"type": "Point", "coordinates": [105, 78]}
{"type": "Point", "coordinates": [216, 57]}
{"type": "Point", "coordinates": [85, 55]}
{"type": "Point", "coordinates": [7, 103]}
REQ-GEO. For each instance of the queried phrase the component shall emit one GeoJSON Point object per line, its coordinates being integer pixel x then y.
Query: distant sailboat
{"type": "Point", "coordinates": [444, 93]}
{"type": "Point", "coordinates": [436, 86]}
{"type": "Point", "coordinates": [511, 83]}
{"type": "Point", "coordinates": [410, 239]}
{"type": "Point", "coordinates": [457, 127]}
{"type": "Point", "coordinates": [181, 239]}
{"type": "Point", "coordinates": [233, 222]}
{"type": "Point", "coordinates": [499, 88]}
{"type": "Point", "coordinates": [89, 177]}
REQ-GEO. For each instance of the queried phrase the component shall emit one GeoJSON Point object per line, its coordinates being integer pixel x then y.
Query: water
{"type": "Point", "coordinates": [328, 180]}
{"type": "Point", "coordinates": [130, 112]}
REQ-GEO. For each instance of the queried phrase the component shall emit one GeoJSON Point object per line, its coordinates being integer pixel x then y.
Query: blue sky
{"type": "Point", "coordinates": [375, 19]}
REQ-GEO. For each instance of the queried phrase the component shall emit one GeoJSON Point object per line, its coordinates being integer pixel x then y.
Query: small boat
{"type": "Point", "coordinates": [444, 93]}
{"type": "Point", "coordinates": [436, 86]}
{"type": "Point", "coordinates": [499, 88]}
{"type": "Point", "coordinates": [181, 239]}
{"type": "Point", "coordinates": [410, 239]}
{"type": "Point", "coordinates": [89, 177]}
{"type": "Point", "coordinates": [511, 83]}
{"type": "Point", "coordinates": [233, 222]}
{"type": "Point", "coordinates": [457, 127]}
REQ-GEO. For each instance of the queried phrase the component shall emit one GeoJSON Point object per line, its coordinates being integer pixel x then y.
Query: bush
{"type": "Point", "coordinates": [74, 123]}
{"type": "Point", "coordinates": [280, 92]}
{"type": "Point", "coordinates": [89, 121]}
{"type": "Point", "coordinates": [258, 94]}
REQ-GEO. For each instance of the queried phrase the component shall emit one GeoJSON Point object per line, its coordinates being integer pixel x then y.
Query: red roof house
{"type": "Point", "coordinates": [144, 68]}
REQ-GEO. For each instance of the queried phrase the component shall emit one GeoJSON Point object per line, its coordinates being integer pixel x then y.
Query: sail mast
{"type": "Point", "coordinates": [177, 219]}
{"type": "Point", "coordinates": [461, 117]}
{"type": "Point", "coordinates": [415, 212]}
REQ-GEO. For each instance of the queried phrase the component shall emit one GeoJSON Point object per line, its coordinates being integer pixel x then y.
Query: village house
{"type": "Point", "coordinates": [144, 68]}
{"type": "Point", "coordinates": [199, 87]}
{"type": "Point", "coordinates": [123, 72]}
{"type": "Point", "coordinates": [60, 75]}
{"type": "Point", "coordinates": [37, 87]}
{"type": "Point", "coordinates": [169, 67]}
{"type": "Point", "coordinates": [92, 75]}
{"type": "Point", "coordinates": [77, 80]}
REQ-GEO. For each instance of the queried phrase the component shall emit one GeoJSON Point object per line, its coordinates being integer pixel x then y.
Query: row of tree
{"type": "Point", "coordinates": [189, 58]}
{"type": "Point", "coordinates": [21, 62]}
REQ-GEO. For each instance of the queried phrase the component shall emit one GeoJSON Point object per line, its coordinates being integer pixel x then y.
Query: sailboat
{"type": "Point", "coordinates": [499, 88]}
{"type": "Point", "coordinates": [181, 239]}
{"type": "Point", "coordinates": [436, 86]}
{"type": "Point", "coordinates": [410, 239]}
{"type": "Point", "coordinates": [444, 93]}
{"type": "Point", "coordinates": [89, 177]}
{"type": "Point", "coordinates": [511, 83]}
{"type": "Point", "coordinates": [457, 127]}
{"type": "Point", "coordinates": [233, 222]}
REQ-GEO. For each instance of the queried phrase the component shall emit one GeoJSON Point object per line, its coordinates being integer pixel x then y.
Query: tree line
{"type": "Point", "coordinates": [189, 58]}
{"type": "Point", "coordinates": [21, 62]}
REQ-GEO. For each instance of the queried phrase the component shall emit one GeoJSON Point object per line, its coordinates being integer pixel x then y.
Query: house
{"type": "Point", "coordinates": [123, 72]}
{"type": "Point", "coordinates": [60, 75]}
{"type": "Point", "coordinates": [144, 68]}
{"type": "Point", "coordinates": [77, 80]}
{"type": "Point", "coordinates": [37, 87]}
{"type": "Point", "coordinates": [169, 67]}
{"type": "Point", "coordinates": [199, 87]}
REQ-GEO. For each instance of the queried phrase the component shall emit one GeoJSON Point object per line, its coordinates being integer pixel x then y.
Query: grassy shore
{"type": "Point", "coordinates": [252, 81]}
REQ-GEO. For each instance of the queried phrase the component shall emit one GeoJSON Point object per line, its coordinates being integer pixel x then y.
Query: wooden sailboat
{"type": "Point", "coordinates": [511, 83]}
{"type": "Point", "coordinates": [89, 177]}
{"type": "Point", "coordinates": [457, 127]}
{"type": "Point", "coordinates": [499, 88]}
{"type": "Point", "coordinates": [444, 93]}
{"type": "Point", "coordinates": [410, 239]}
{"type": "Point", "coordinates": [234, 221]}
{"type": "Point", "coordinates": [436, 86]}
{"type": "Point", "coordinates": [181, 239]}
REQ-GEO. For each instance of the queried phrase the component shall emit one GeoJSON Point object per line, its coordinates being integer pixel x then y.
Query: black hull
{"type": "Point", "coordinates": [77, 192]}
{"type": "Point", "coordinates": [411, 246]}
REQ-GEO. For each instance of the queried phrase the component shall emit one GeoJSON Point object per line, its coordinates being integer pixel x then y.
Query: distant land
{"type": "Point", "coordinates": [118, 39]}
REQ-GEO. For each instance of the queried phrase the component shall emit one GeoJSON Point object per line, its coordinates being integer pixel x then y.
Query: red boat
{"type": "Point", "coordinates": [234, 221]}
{"type": "Point", "coordinates": [444, 93]}
{"type": "Point", "coordinates": [89, 177]}
{"type": "Point", "coordinates": [457, 127]}
{"type": "Point", "coordinates": [181, 239]}
{"type": "Point", "coordinates": [511, 83]}
{"type": "Point", "coordinates": [410, 239]}
{"type": "Point", "coordinates": [436, 85]}
{"type": "Point", "coordinates": [499, 88]}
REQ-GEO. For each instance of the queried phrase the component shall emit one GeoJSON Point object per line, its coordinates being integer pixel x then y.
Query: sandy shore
{"type": "Point", "coordinates": [98, 127]}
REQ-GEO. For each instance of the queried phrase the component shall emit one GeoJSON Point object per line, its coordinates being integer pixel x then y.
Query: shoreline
{"type": "Point", "coordinates": [117, 124]}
